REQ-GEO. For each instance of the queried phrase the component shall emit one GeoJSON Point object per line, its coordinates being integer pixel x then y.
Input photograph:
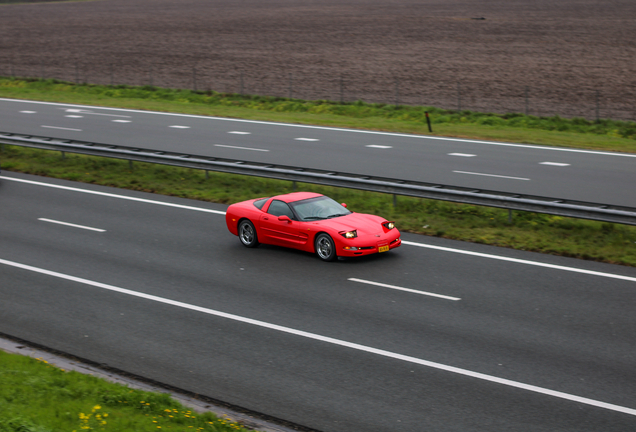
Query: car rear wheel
{"type": "Point", "coordinates": [325, 247]}
{"type": "Point", "coordinates": [247, 234]}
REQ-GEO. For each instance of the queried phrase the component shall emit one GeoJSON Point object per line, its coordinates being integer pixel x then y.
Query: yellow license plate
{"type": "Point", "coordinates": [383, 248]}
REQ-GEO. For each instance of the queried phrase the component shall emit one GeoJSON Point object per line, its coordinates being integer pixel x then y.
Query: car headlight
{"type": "Point", "coordinates": [350, 234]}
{"type": "Point", "coordinates": [389, 225]}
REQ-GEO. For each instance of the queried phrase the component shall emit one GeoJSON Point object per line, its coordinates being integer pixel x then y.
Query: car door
{"type": "Point", "coordinates": [279, 226]}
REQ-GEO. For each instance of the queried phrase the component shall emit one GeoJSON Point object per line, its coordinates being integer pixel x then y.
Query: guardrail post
{"type": "Point", "coordinates": [509, 216]}
{"type": "Point", "coordinates": [207, 175]}
{"type": "Point", "coordinates": [130, 164]}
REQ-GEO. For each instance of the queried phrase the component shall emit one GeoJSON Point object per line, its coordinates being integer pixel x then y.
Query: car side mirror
{"type": "Point", "coordinates": [344, 205]}
{"type": "Point", "coordinates": [284, 218]}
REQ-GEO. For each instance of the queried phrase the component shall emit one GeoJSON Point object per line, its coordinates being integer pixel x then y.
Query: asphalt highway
{"type": "Point", "coordinates": [436, 335]}
{"type": "Point", "coordinates": [591, 176]}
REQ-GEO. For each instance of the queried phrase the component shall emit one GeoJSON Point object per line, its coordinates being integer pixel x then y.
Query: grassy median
{"type": "Point", "coordinates": [38, 397]}
{"type": "Point", "coordinates": [591, 240]}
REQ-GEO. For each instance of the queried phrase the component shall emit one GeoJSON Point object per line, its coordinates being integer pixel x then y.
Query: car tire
{"type": "Point", "coordinates": [325, 247]}
{"type": "Point", "coordinates": [247, 233]}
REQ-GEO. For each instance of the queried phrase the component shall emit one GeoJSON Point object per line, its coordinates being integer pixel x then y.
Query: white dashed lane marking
{"type": "Point", "coordinates": [239, 133]}
{"type": "Point", "coordinates": [71, 225]}
{"type": "Point", "coordinates": [62, 128]}
{"type": "Point", "coordinates": [404, 289]}
{"type": "Point", "coordinates": [179, 127]}
{"type": "Point", "coordinates": [306, 139]}
{"type": "Point", "coordinates": [240, 148]}
{"type": "Point", "coordinates": [554, 164]}
{"type": "Point", "coordinates": [28, 112]}
{"type": "Point", "coordinates": [121, 121]}
{"type": "Point", "coordinates": [491, 175]}
{"type": "Point", "coordinates": [462, 154]}
{"type": "Point", "coordinates": [379, 146]}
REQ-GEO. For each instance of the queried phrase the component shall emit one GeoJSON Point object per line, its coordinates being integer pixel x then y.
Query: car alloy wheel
{"type": "Point", "coordinates": [325, 247]}
{"type": "Point", "coordinates": [247, 234]}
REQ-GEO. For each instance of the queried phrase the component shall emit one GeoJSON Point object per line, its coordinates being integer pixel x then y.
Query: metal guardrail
{"type": "Point", "coordinates": [560, 207]}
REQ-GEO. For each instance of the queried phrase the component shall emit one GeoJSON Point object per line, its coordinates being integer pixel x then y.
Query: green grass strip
{"type": "Point", "coordinates": [612, 243]}
{"type": "Point", "coordinates": [38, 397]}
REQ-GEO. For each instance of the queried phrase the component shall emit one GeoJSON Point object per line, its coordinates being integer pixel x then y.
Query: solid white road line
{"type": "Point", "coordinates": [404, 242]}
{"type": "Point", "coordinates": [110, 195]}
{"type": "Point", "coordinates": [63, 128]}
{"type": "Point", "coordinates": [521, 261]}
{"type": "Point", "coordinates": [71, 225]}
{"type": "Point", "coordinates": [491, 175]}
{"type": "Point", "coordinates": [333, 341]}
{"type": "Point", "coordinates": [404, 289]}
{"type": "Point", "coordinates": [427, 137]}
{"type": "Point", "coordinates": [554, 164]}
{"type": "Point", "coordinates": [462, 154]}
{"type": "Point", "coordinates": [241, 148]}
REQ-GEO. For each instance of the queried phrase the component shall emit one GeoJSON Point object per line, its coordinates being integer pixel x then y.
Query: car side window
{"type": "Point", "coordinates": [279, 208]}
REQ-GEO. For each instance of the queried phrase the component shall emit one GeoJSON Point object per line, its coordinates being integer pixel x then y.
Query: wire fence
{"type": "Point", "coordinates": [569, 100]}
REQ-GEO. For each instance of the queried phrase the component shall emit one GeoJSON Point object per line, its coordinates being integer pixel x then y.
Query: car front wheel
{"type": "Point", "coordinates": [325, 247]}
{"type": "Point", "coordinates": [247, 234]}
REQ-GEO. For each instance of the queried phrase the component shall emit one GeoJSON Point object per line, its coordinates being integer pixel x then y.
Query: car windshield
{"type": "Point", "coordinates": [318, 208]}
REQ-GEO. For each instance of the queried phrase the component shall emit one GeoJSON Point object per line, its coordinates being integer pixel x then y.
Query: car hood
{"type": "Point", "coordinates": [364, 223]}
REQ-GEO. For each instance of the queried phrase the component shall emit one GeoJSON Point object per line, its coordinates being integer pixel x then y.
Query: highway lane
{"type": "Point", "coordinates": [559, 329]}
{"type": "Point", "coordinates": [591, 176]}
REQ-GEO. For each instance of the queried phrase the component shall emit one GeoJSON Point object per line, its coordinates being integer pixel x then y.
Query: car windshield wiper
{"type": "Point", "coordinates": [336, 215]}
{"type": "Point", "coordinates": [313, 218]}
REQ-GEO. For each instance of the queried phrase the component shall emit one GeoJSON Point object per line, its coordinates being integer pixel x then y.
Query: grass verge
{"type": "Point", "coordinates": [37, 397]}
{"type": "Point", "coordinates": [612, 243]}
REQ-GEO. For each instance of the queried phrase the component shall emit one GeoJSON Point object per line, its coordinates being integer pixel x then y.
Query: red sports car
{"type": "Point", "coordinates": [311, 222]}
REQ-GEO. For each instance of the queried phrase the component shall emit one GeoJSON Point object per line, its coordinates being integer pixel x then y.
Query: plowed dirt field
{"type": "Point", "coordinates": [544, 57]}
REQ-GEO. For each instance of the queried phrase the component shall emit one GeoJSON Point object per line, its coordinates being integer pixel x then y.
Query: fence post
{"type": "Point", "coordinates": [290, 85]}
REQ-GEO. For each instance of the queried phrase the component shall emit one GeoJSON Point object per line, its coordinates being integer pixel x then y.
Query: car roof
{"type": "Point", "coordinates": [297, 196]}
